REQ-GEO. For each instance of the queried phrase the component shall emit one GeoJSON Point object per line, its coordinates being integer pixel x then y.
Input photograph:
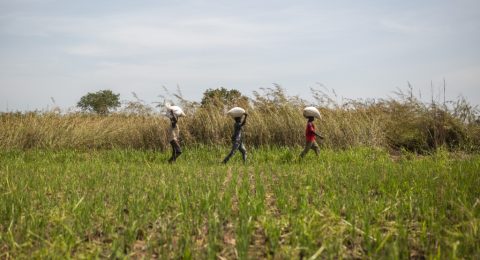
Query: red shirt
{"type": "Point", "coordinates": [310, 132]}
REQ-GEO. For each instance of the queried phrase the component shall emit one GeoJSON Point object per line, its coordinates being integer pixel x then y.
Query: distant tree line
{"type": "Point", "coordinates": [104, 101]}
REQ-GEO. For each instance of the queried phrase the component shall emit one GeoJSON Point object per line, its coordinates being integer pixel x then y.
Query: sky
{"type": "Point", "coordinates": [53, 52]}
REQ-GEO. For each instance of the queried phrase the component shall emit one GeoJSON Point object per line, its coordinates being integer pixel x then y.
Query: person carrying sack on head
{"type": "Point", "coordinates": [173, 137]}
{"type": "Point", "coordinates": [237, 139]}
{"type": "Point", "coordinates": [310, 136]}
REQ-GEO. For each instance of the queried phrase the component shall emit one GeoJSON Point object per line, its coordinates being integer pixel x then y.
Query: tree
{"type": "Point", "coordinates": [99, 102]}
{"type": "Point", "coordinates": [221, 97]}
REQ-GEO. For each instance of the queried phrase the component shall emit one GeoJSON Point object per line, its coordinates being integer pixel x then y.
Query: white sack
{"type": "Point", "coordinates": [176, 110]}
{"type": "Point", "coordinates": [311, 112]}
{"type": "Point", "coordinates": [236, 112]}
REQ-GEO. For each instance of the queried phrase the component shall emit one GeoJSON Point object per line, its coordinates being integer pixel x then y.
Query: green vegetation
{"type": "Point", "coordinates": [99, 102]}
{"type": "Point", "coordinates": [221, 97]}
{"type": "Point", "coordinates": [354, 203]}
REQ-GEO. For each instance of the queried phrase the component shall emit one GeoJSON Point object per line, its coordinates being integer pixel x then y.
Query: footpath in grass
{"type": "Point", "coordinates": [352, 204]}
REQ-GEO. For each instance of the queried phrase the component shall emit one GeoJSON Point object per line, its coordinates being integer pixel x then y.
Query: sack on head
{"type": "Point", "coordinates": [176, 110]}
{"type": "Point", "coordinates": [236, 112]}
{"type": "Point", "coordinates": [311, 112]}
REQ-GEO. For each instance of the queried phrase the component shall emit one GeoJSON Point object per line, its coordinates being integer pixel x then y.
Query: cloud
{"type": "Point", "coordinates": [87, 50]}
{"type": "Point", "coordinates": [179, 36]}
{"type": "Point", "coordinates": [396, 26]}
{"type": "Point", "coordinates": [145, 32]}
{"type": "Point", "coordinates": [246, 45]}
{"type": "Point", "coordinates": [127, 36]}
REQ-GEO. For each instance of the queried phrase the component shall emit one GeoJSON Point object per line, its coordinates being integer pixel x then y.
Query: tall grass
{"type": "Point", "coordinates": [275, 120]}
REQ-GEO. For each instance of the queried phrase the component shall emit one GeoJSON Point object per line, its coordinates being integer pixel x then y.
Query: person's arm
{"type": "Point", "coordinates": [318, 135]}
{"type": "Point", "coordinates": [312, 131]}
{"type": "Point", "coordinates": [244, 119]}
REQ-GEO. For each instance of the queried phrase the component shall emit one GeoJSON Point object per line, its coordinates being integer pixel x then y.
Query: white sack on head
{"type": "Point", "coordinates": [311, 112]}
{"type": "Point", "coordinates": [176, 110]}
{"type": "Point", "coordinates": [236, 112]}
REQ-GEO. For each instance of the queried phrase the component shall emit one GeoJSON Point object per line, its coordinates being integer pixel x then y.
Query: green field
{"type": "Point", "coordinates": [356, 203]}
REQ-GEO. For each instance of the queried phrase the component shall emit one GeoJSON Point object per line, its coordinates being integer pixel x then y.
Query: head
{"type": "Point", "coordinates": [311, 118]}
{"type": "Point", "coordinates": [238, 119]}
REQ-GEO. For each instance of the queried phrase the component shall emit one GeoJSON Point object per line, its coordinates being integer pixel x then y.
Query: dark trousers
{"type": "Point", "coordinates": [310, 145]}
{"type": "Point", "coordinates": [176, 150]}
{"type": "Point", "coordinates": [237, 145]}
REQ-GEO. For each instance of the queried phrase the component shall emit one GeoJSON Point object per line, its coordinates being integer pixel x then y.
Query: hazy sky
{"type": "Point", "coordinates": [361, 49]}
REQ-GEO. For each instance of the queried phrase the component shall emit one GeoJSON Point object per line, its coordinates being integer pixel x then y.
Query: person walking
{"type": "Point", "coordinates": [173, 137]}
{"type": "Point", "coordinates": [237, 139]}
{"type": "Point", "coordinates": [310, 136]}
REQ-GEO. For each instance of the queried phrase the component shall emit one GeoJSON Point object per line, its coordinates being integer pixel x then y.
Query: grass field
{"type": "Point", "coordinates": [356, 203]}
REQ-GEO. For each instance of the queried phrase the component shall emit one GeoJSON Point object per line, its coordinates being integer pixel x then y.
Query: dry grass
{"type": "Point", "coordinates": [275, 120]}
